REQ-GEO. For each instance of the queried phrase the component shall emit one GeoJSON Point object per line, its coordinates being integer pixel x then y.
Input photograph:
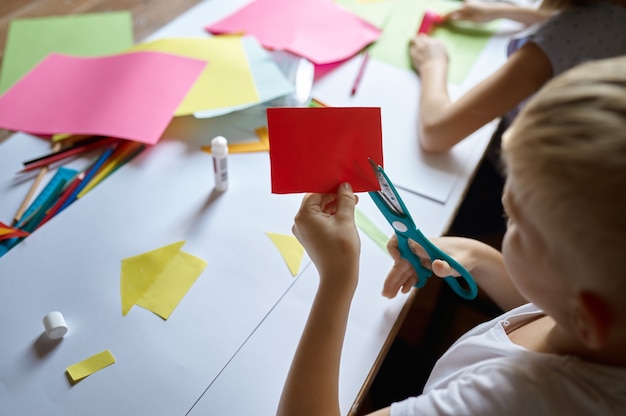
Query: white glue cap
{"type": "Point", "coordinates": [55, 325]}
{"type": "Point", "coordinates": [219, 145]}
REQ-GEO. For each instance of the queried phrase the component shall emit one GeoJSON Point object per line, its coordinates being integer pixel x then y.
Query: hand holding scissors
{"type": "Point", "coordinates": [396, 213]}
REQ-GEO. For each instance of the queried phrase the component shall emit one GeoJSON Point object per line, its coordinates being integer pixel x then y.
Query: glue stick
{"type": "Point", "coordinates": [219, 150]}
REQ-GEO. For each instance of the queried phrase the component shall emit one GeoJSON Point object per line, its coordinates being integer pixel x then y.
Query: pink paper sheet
{"type": "Point", "coordinates": [315, 29]}
{"type": "Point", "coordinates": [316, 149]}
{"type": "Point", "coordinates": [130, 96]}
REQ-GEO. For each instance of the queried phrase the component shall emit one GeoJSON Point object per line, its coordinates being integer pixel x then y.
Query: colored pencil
{"type": "Point", "coordinates": [65, 153]}
{"type": "Point", "coordinates": [33, 188]}
{"type": "Point", "coordinates": [90, 174]}
{"type": "Point", "coordinates": [359, 75]}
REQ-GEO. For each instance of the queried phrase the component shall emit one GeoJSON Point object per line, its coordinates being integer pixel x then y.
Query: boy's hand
{"type": "Point", "coordinates": [325, 226]}
{"type": "Point", "coordinates": [402, 276]}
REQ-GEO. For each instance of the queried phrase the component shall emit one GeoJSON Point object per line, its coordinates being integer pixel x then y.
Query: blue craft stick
{"type": "Point", "coordinates": [41, 211]}
{"type": "Point", "coordinates": [62, 173]}
{"type": "Point", "coordinates": [88, 176]}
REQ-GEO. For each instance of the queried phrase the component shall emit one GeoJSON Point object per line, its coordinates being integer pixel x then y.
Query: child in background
{"type": "Point", "coordinates": [567, 33]}
{"type": "Point", "coordinates": [559, 348]}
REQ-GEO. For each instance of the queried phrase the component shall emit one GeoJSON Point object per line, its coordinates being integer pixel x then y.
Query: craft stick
{"type": "Point", "coordinates": [31, 224]}
{"type": "Point", "coordinates": [33, 188]}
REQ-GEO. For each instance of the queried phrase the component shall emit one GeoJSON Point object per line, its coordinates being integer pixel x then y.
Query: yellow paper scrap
{"type": "Point", "coordinates": [227, 79]}
{"type": "Point", "coordinates": [158, 280]}
{"type": "Point", "coordinates": [263, 145]}
{"type": "Point", "coordinates": [90, 365]}
{"type": "Point", "coordinates": [290, 248]}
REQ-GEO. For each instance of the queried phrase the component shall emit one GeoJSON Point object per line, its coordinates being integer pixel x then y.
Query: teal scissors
{"type": "Point", "coordinates": [394, 210]}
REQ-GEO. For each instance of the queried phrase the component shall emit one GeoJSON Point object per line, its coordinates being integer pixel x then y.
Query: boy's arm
{"type": "Point", "coordinates": [445, 122]}
{"type": "Point", "coordinates": [312, 384]}
{"type": "Point", "coordinates": [484, 263]}
{"type": "Point", "coordinates": [325, 226]}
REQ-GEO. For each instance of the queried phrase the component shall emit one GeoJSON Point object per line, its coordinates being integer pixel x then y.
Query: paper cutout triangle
{"type": "Point", "coordinates": [290, 248]}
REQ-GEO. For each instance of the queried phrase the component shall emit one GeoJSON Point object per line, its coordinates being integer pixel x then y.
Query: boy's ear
{"type": "Point", "coordinates": [592, 320]}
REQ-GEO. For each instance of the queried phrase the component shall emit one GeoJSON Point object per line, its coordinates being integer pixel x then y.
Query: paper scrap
{"type": "Point", "coordinates": [262, 145]}
{"type": "Point", "coordinates": [226, 80]}
{"type": "Point", "coordinates": [316, 149]}
{"type": "Point", "coordinates": [158, 280]}
{"type": "Point", "coordinates": [464, 46]}
{"type": "Point", "coordinates": [315, 29]}
{"type": "Point", "coordinates": [371, 230]}
{"type": "Point", "coordinates": [290, 248]}
{"type": "Point", "coordinates": [270, 81]}
{"type": "Point", "coordinates": [130, 96]}
{"type": "Point", "coordinates": [30, 40]}
{"type": "Point", "coordinates": [90, 365]}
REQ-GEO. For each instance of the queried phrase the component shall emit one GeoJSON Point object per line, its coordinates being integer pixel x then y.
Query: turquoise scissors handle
{"type": "Point", "coordinates": [391, 205]}
{"type": "Point", "coordinates": [469, 291]}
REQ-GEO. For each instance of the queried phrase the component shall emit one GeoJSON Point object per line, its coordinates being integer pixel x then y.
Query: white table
{"type": "Point", "coordinates": [227, 347]}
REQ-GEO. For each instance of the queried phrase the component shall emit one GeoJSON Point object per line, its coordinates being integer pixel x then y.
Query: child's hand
{"type": "Point", "coordinates": [325, 226]}
{"type": "Point", "coordinates": [402, 276]}
{"type": "Point", "coordinates": [425, 50]}
{"type": "Point", "coordinates": [474, 11]}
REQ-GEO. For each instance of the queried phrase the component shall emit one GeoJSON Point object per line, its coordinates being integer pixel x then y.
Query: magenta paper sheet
{"type": "Point", "coordinates": [315, 29]}
{"type": "Point", "coordinates": [131, 96]}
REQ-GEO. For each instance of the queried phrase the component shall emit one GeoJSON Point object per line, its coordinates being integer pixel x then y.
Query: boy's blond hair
{"type": "Point", "coordinates": [566, 153]}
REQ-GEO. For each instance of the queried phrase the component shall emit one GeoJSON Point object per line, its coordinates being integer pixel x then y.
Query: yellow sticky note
{"type": "Point", "coordinates": [290, 248]}
{"type": "Point", "coordinates": [227, 79]}
{"type": "Point", "coordinates": [158, 280]}
{"type": "Point", "coordinates": [90, 365]}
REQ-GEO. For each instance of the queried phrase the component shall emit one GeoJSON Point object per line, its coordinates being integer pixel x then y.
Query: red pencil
{"type": "Point", "coordinates": [359, 75]}
{"type": "Point", "coordinates": [65, 153]}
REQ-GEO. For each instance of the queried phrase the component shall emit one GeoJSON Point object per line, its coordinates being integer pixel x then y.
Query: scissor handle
{"type": "Point", "coordinates": [434, 253]}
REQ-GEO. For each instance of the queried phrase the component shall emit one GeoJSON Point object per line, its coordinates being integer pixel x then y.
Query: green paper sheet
{"type": "Point", "coordinates": [371, 230]}
{"type": "Point", "coordinates": [32, 39]}
{"type": "Point", "coordinates": [464, 41]}
{"type": "Point", "coordinates": [375, 12]}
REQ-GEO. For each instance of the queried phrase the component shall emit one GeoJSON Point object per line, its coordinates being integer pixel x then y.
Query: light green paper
{"type": "Point", "coordinates": [32, 39]}
{"type": "Point", "coordinates": [375, 13]}
{"type": "Point", "coordinates": [464, 41]}
{"type": "Point", "coordinates": [371, 230]}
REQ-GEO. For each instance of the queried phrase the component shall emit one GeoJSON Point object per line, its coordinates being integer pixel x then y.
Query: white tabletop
{"type": "Point", "coordinates": [227, 346]}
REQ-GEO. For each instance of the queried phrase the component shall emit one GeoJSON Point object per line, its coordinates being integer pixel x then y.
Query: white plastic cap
{"type": "Point", "coordinates": [55, 325]}
{"type": "Point", "coordinates": [219, 145]}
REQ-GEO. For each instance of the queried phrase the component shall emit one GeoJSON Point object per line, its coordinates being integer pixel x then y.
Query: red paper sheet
{"type": "Point", "coordinates": [316, 149]}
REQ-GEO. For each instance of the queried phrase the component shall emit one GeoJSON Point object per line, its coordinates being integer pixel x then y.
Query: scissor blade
{"type": "Point", "coordinates": [386, 190]}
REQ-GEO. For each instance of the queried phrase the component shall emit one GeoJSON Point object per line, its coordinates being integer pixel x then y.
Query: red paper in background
{"type": "Point", "coordinates": [316, 149]}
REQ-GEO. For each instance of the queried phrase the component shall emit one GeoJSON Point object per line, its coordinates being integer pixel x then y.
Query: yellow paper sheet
{"type": "Point", "coordinates": [290, 248]}
{"type": "Point", "coordinates": [90, 365]}
{"type": "Point", "coordinates": [263, 145]}
{"type": "Point", "coordinates": [158, 280]}
{"type": "Point", "coordinates": [226, 80]}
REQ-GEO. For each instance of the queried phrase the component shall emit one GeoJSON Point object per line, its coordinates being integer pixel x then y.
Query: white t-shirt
{"type": "Point", "coordinates": [484, 373]}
